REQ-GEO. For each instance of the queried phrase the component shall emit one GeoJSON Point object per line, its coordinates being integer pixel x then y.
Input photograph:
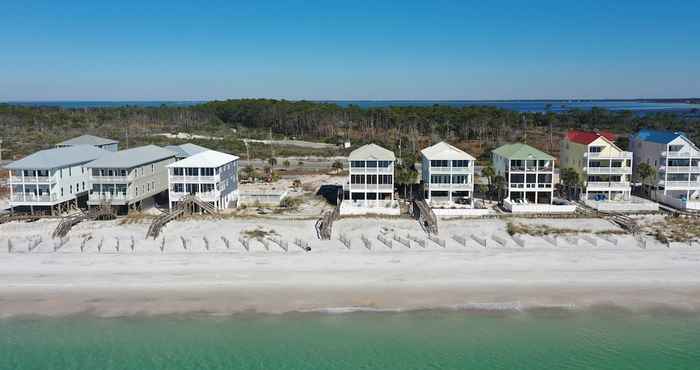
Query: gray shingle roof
{"type": "Point", "coordinates": [58, 158]}
{"type": "Point", "coordinates": [88, 140]}
{"type": "Point", "coordinates": [131, 157]}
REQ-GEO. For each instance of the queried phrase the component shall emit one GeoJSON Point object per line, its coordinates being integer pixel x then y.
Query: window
{"type": "Point", "coordinates": [178, 188]}
{"type": "Point", "coordinates": [439, 163]}
{"type": "Point", "coordinates": [675, 148]}
{"type": "Point", "coordinates": [207, 172]}
{"type": "Point", "coordinates": [595, 149]}
{"type": "Point", "coordinates": [440, 179]}
{"type": "Point", "coordinates": [384, 164]}
{"type": "Point", "coordinates": [177, 171]}
{"type": "Point", "coordinates": [192, 171]}
{"type": "Point", "coordinates": [371, 164]}
{"type": "Point", "coordinates": [460, 179]}
{"type": "Point", "coordinates": [153, 168]}
{"type": "Point", "coordinates": [70, 171]}
{"type": "Point", "coordinates": [460, 163]}
{"type": "Point", "coordinates": [148, 187]}
{"type": "Point", "coordinates": [70, 189]}
{"type": "Point", "coordinates": [357, 164]}
{"type": "Point", "coordinates": [61, 191]}
{"type": "Point", "coordinates": [371, 179]}
{"type": "Point", "coordinates": [122, 172]}
{"type": "Point", "coordinates": [83, 185]}
{"type": "Point", "coordinates": [386, 179]}
{"type": "Point", "coordinates": [207, 187]}
{"type": "Point", "coordinates": [357, 179]}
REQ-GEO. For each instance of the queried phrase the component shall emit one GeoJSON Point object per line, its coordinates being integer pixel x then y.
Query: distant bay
{"type": "Point", "coordinates": [556, 106]}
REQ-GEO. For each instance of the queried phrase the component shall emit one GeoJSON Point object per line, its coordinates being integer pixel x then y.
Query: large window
{"type": "Point", "coordinates": [371, 179]}
{"type": "Point", "coordinates": [207, 172]}
{"type": "Point", "coordinates": [357, 179]}
{"type": "Point", "coordinates": [192, 171]}
{"type": "Point", "coordinates": [386, 179]}
{"type": "Point", "coordinates": [177, 171]}
{"type": "Point", "coordinates": [595, 149]}
{"type": "Point", "coordinates": [357, 164]}
{"type": "Point", "coordinates": [178, 188]}
{"type": "Point", "coordinates": [460, 179]}
{"type": "Point", "coordinates": [371, 164]}
{"type": "Point", "coordinates": [460, 164]}
{"type": "Point", "coordinates": [439, 163]}
{"type": "Point", "coordinates": [440, 179]}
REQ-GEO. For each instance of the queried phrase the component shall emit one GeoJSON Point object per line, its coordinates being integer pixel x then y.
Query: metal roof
{"type": "Point", "coordinates": [370, 152]}
{"type": "Point", "coordinates": [58, 158]}
{"type": "Point", "coordinates": [587, 137]}
{"type": "Point", "coordinates": [130, 158]}
{"type": "Point", "coordinates": [208, 158]}
{"type": "Point", "coordinates": [186, 150]}
{"type": "Point", "coordinates": [445, 151]}
{"type": "Point", "coordinates": [659, 137]}
{"type": "Point", "coordinates": [522, 152]}
{"type": "Point", "coordinates": [87, 140]}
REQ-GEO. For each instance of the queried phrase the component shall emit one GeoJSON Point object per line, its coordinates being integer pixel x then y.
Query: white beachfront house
{"type": "Point", "coordinates": [677, 163]}
{"type": "Point", "coordinates": [183, 151]}
{"type": "Point", "coordinates": [52, 179]}
{"type": "Point", "coordinates": [529, 176]}
{"type": "Point", "coordinates": [129, 178]}
{"type": "Point", "coordinates": [370, 185]}
{"type": "Point", "coordinates": [96, 141]}
{"type": "Point", "coordinates": [211, 176]}
{"type": "Point", "coordinates": [447, 174]}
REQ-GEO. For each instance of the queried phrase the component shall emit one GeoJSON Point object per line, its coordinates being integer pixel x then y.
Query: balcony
{"type": "Point", "coordinates": [31, 197]}
{"type": "Point", "coordinates": [454, 170]}
{"type": "Point", "coordinates": [463, 186]}
{"type": "Point", "coordinates": [194, 179]}
{"type": "Point", "coordinates": [680, 169]}
{"type": "Point", "coordinates": [608, 185]}
{"type": "Point", "coordinates": [31, 180]}
{"type": "Point", "coordinates": [596, 155]}
{"type": "Point", "coordinates": [372, 170]}
{"type": "Point", "coordinates": [531, 169]}
{"type": "Point", "coordinates": [667, 154]}
{"type": "Point", "coordinates": [608, 170]}
{"type": "Point", "coordinates": [99, 197]}
{"type": "Point", "coordinates": [209, 196]}
{"type": "Point", "coordinates": [371, 187]}
{"type": "Point", "coordinates": [680, 185]}
{"type": "Point", "coordinates": [112, 179]}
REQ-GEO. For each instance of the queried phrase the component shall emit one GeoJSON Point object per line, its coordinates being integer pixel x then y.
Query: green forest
{"type": "Point", "coordinates": [403, 129]}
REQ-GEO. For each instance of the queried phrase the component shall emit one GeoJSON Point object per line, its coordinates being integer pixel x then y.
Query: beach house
{"type": "Point", "coordinates": [51, 180]}
{"type": "Point", "coordinates": [96, 141]}
{"type": "Point", "coordinates": [210, 176]}
{"type": "Point", "coordinates": [447, 176]}
{"type": "Point", "coordinates": [676, 160]}
{"type": "Point", "coordinates": [605, 171]}
{"type": "Point", "coordinates": [129, 178]}
{"type": "Point", "coordinates": [529, 180]}
{"type": "Point", "coordinates": [370, 184]}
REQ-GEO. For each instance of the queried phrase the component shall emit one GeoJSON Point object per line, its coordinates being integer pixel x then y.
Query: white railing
{"type": "Point", "coordinates": [455, 170]}
{"type": "Point", "coordinates": [608, 185]}
{"type": "Point", "coordinates": [621, 155]}
{"type": "Point", "coordinates": [111, 179]}
{"type": "Point", "coordinates": [31, 197]}
{"type": "Point", "coordinates": [608, 170]}
{"type": "Point", "coordinates": [451, 186]}
{"type": "Point", "coordinates": [31, 179]}
{"type": "Point", "coordinates": [680, 169]}
{"type": "Point", "coordinates": [96, 197]}
{"type": "Point", "coordinates": [209, 196]}
{"type": "Point", "coordinates": [685, 154]}
{"type": "Point", "coordinates": [194, 179]}
{"type": "Point", "coordinates": [530, 169]}
{"type": "Point", "coordinates": [372, 170]}
{"type": "Point", "coordinates": [680, 184]}
{"type": "Point", "coordinates": [371, 187]}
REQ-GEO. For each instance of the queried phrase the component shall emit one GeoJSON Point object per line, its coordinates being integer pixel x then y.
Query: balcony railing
{"type": "Point", "coordinates": [622, 155]}
{"type": "Point", "coordinates": [608, 170]}
{"type": "Point", "coordinates": [680, 184]}
{"type": "Point", "coordinates": [464, 170]}
{"type": "Point", "coordinates": [194, 179]}
{"type": "Point", "coordinates": [685, 154]}
{"type": "Point", "coordinates": [209, 196]}
{"type": "Point", "coordinates": [450, 186]}
{"type": "Point", "coordinates": [372, 170]}
{"type": "Point", "coordinates": [608, 185]}
{"type": "Point", "coordinates": [96, 197]}
{"type": "Point", "coordinates": [530, 169]}
{"type": "Point", "coordinates": [31, 179]}
{"type": "Point", "coordinates": [31, 197]}
{"type": "Point", "coordinates": [680, 169]}
{"type": "Point", "coordinates": [112, 179]}
{"type": "Point", "coordinates": [371, 187]}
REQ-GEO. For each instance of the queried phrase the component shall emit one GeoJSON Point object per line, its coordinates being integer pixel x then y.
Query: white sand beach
{"type": "Point", "coordinates": [332, 277]}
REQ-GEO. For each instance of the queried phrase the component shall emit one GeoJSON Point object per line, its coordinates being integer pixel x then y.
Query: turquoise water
{"type": "Point", "coordinates": [419, 340]}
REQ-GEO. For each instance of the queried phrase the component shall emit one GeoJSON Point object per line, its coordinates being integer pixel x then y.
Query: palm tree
{"type": "Point", "coordinates": [500, 184]}
{"type": "Point", "coordinates": [249, 171]}
{"type": "Point", "coordinates": [488, 172]}
{"type": "Point", "coordinates": [337, 166]}
{"type": "Point", "coordinates": [571, 180]}
{"type": "Point", "coordinates": [647, 174]}
{"type": "Point", "coordinates": [272, 161]}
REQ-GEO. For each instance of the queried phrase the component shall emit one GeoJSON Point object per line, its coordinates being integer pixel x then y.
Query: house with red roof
{"type": "Point", "coordinates": [604, 169]}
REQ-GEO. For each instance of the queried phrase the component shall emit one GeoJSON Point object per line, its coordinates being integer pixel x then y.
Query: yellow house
{"type": "Point", "coordinates": [604, 169]}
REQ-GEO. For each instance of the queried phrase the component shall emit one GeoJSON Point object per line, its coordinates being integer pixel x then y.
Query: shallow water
{"type": "Point", "coordinates": [417, 340]}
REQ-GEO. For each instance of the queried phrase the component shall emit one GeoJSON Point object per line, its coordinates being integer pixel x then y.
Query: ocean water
{"type": "Point", "coordinates": [516, 105]}
{"type": "Point", "coordinates": [418, 340]}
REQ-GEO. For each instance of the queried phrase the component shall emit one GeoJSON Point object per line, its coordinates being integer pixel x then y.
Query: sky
{"type": "Point", "coordinates": [349, 50]}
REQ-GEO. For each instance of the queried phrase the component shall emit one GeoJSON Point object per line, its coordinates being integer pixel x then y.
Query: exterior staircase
{"type": "Point", "coordinates": [187, 205]}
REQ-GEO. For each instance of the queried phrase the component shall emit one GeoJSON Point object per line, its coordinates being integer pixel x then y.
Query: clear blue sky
{"type": "Point", "coordinates": [508, 49]}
